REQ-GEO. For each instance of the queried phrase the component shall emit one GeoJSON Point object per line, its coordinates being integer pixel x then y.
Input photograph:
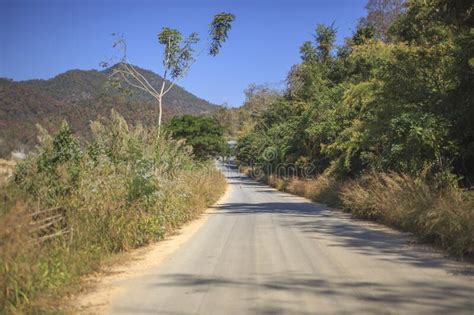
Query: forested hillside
{"type": "Point", "coordinates": [79, 97]}
{"type": "Point", "coordinates": [391, 108]}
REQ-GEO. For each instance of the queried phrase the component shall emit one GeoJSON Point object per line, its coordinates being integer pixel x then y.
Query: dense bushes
{"type": "Point", "coordinates": [400, 103]}
{"type": "Point", "coordinates": [204, 134]}
{"type": "Point", "coordinates": [122, 190]}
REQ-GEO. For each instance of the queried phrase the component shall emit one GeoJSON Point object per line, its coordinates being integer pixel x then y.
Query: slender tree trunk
{"type": "Point", "coordinates": [160, 103]}
{"type": "Point", "coordinates": [160, 112]}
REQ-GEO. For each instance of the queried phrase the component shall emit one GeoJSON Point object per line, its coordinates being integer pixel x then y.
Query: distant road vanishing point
{"type": "Point", "coordinates": [266, 252]}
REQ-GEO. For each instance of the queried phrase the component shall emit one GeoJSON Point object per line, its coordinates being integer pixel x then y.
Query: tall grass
{"type": "Point", "coordinates": [444, 216]}
{"type": "Point", "coordinates": [124, 189]}
{"type": "Point", "coordinates": [6, 170]}
{"type": "Point", "coordinates": [323, 189]}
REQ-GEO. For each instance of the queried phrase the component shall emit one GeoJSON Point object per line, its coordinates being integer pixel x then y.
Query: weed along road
{"type": "Point", "coordinates": [266, 252]}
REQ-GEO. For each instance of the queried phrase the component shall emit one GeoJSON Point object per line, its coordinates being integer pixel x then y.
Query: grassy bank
{"type": "Point", "coordinates": [71, 206]}
{"type": "Point", "coordinates": [440, 215]}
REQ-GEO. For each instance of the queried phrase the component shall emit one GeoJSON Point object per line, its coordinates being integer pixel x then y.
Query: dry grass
{"type": "Point", "coordinates": [276, 182]}
{"type": "Point", "coordinates": [34, 276]}
{"type": "Point", "coordinates": [245, 170]}
{"type": "Point", "coordinates": [441, 216]}
{"type": "Point", "coordinates": [444, 217]}
{"type": "Point", "coordinates": [126, 189]}
{"type": "Point", "coordinates": [6, 170]}
{"type": "Point", "coordinates": [321, 189]}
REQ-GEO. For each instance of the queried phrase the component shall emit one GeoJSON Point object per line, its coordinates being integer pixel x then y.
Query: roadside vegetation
{"type": "Point", "coordinates": [381, 125]}
{"type": "Point", "coordinates": [6, 170]}
{"type": "Point", "coordinates": [71, 205]}
{"type": "Point", "coordinates": [441, 216]}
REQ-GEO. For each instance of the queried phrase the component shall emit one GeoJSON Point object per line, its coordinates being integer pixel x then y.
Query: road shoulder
{"type": "Point", "coordinates": [106, 285]}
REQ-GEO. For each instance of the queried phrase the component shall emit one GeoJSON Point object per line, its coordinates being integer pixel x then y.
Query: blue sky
{"type": "Point", "coordinates": [42, 38]}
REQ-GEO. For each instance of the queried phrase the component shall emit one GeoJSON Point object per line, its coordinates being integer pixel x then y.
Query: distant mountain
{"type": "Point", "coordinates": [80, 96]}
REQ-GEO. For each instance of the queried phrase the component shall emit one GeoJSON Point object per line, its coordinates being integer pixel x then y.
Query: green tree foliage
{"type": "Point", "coordinates": [178, 56]}
{"type": "Point", "coordinates": [325, 37]}
{"type": "Point", "coordinates": [220, 26]}
{"type": "Point", "coordinates": [380, 16]}
{"type": "Point", "coordinates": [397, 96]}
{"type": "Point", "coordinates": [204, 134]}
{"type": "Point", "coordinates": [240, 120]}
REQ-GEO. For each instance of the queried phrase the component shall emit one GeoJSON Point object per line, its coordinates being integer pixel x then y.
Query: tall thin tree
{"type": "Point", "coordinates": [178, 56]}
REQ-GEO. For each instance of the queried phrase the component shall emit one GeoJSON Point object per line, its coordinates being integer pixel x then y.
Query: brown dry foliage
{"type": "Point", "coordinates": [322, 189]}
{"type": "Point", "coordinates": [442, 216]}
{"type": "Point", "coordinates": [113, 203]}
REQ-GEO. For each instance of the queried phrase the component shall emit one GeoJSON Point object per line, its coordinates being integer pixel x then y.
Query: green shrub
{"type": "Point", "coordinates": [204, 134]}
